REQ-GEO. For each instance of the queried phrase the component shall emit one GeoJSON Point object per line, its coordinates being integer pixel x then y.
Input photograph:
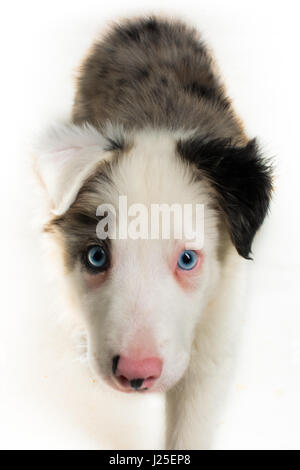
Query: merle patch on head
{"type": "Point", "coordinates": [141, 73]}
{"type": "Point", "coordinates": [152, 25]}
{"type": "Point", "coordinates": [208, 93]}
{"type": "Point", "coordinates": [242, 179]}
{"type": "Point", "coordinates": [130, 33]}
{"type": "Point", "coordinates": [102, 72]}
{"type": "Point", "coordinates": [199, 90]}
{"type": "Point", "coordinates": [164, 80]}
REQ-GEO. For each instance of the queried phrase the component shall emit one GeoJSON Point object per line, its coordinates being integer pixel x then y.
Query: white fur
{"type": "Point", "coordinates": [141, 310]}
{"type": "Point", "coordinates": [67, 155]}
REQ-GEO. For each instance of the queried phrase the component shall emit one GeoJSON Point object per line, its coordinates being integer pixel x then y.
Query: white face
{"type": "Point", "coordinates": [145, 306]}
{"type": "Point", "coordinates": [141, 300]}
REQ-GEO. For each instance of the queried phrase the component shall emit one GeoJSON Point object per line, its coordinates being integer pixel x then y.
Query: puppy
{"type": "Point", "coordinates": [151, 123]}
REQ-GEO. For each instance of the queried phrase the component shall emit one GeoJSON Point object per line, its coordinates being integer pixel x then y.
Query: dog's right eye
{"type": "Point", "coordinates": [97, 259]}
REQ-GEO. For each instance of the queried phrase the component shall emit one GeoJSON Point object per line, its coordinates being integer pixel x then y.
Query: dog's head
{"type": "Point", "coordinates": [141, 296]}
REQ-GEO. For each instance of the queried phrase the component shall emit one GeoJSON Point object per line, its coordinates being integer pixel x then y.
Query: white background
{"type": "Point", "coordinates": [47, 397]}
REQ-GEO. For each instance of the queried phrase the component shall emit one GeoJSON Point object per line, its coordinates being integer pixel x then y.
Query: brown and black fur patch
{"type": "Point", "coordinates": [76, 229]}
{"type": "Point", "coordinates": [153, 72]}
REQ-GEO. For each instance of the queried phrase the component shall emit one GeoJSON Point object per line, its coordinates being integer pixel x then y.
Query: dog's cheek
{"type": "Point", "coordinates": [93, 281]}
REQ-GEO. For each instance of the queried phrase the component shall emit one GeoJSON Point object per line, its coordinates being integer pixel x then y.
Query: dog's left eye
{"type": "Point", "coordinates": [97, 258]}
{"type": "Point", "coordinates": [187, 260]}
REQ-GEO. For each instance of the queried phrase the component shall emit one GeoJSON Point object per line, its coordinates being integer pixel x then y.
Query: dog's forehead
{"type": "Point", "coordinates": [144, 250]}
{"type": "Point", "coordinates": [153, 172]}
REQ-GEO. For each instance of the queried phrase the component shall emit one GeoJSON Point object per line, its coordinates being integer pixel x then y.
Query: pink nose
{"type": "Point", "coordinates": [137, 374]}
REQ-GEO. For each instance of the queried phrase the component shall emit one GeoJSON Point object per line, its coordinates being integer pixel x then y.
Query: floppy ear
{"type": "Point", "coordinates": [242, 180]}
{"type": "Point", "coordinates": [66, 156]}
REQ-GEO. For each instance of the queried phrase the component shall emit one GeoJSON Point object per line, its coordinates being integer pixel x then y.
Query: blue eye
{"type": "Point", "coordinates": [97, 258]}
{"type": "Point", "coordinates": [187, 260]}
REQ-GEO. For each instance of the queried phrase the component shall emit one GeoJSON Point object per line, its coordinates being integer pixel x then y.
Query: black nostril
{"type": "Point", "coordinates": [136, 383]}
{"type": "Point", "coordinates": [115, 364]}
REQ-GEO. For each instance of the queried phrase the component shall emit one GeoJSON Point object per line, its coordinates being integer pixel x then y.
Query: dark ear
{"type": "Point", "coordinates": [242, 180]}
